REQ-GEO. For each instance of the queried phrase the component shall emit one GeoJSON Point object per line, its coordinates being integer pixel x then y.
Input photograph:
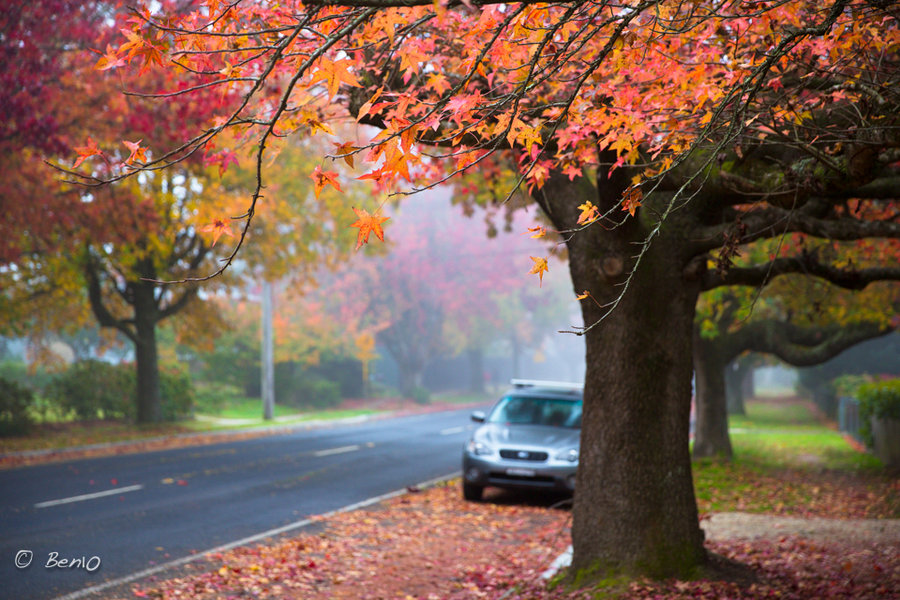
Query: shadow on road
{"type": "Point", "coordinates": [504, 497]}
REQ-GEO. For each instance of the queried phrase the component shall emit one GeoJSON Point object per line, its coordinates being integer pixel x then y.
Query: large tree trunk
{"type": "Point", "coordinates": [149, 402]}
{"type": "Point", "coordinates": [410, 377]}
{"type": "Point", "coordinates": [735, 375]}
{"type": "Point", "coordinates": [711, 431]}
{"type": "Point", "coordinates": [635, 512]}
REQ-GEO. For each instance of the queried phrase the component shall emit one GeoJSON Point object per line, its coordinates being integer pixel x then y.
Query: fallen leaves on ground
{"type": "Point", "coordinates": [431, 544]}
{"type": "Point", "coordinates": [804, 493]}
{"type": "Point", "coordinates": [424, 545]}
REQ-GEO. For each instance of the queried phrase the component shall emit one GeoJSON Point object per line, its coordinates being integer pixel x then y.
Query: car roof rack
{"type": "Point", "coordinates": [537, 383]}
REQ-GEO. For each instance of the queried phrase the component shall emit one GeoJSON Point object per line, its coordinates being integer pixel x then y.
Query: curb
{"type": "Point", "coordinates": [253, 539]}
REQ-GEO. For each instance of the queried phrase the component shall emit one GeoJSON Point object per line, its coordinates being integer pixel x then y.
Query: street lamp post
{"type": "Point", "coordinates": [268, 367]}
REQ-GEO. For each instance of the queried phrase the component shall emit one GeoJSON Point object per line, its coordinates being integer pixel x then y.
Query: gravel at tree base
{"type": "Point", "coordinates": [748, 526]}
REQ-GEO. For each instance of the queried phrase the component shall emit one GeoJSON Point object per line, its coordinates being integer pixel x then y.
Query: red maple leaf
{"type": "Point", "coordinates": [85, 152]}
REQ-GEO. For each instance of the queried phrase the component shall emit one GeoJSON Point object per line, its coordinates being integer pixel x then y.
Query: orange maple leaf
{"type": "Point", "coordinates": [311, 120]}
{"type": "Point", "coordinates": [322, 178]}
{"type": "Point", "coordinates": [536, 232]}
{"type": "Point", "coordinates": [217, 228]}
{"type": "Point", "coordinates": [335, 73]}
{"type": "Point", "coordinates": [367, 224]}
{"type": "Point", "coordinates": [142, 48]}
{"type": "Point", "coordinates": [85, 152]}
{"type": "Point", "coordinates": [395, 161]}
{"type": "Point", "coordinates": [345, 151]}
{"type": "Point", "coordinates": [137, 153]}
{"type": "Point", "coordinates": [110, 60]}
{"type": "Point", "coordinates": [540, 267]}
{"type": "Point", "coordinates": [632, 199]}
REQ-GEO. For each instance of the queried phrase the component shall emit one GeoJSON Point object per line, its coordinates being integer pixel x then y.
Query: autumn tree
{"type": "Point", "coordinates": [654, 135]}
{"type": "Point", "coordinates": [107, 253]}
{"type": "Point", "coordinates": [801, 322]}
{"type": "Point", "coordinates": [41, 44]}
{"type": "Point", "coordinates": [434, 291]}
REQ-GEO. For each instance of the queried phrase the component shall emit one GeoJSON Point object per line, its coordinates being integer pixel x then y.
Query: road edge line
{"type": "Point", "coordinates": [83, 593]}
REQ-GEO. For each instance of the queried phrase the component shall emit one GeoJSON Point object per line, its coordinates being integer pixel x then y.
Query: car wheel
{"type": "Point", "coordinates": [472, 492]}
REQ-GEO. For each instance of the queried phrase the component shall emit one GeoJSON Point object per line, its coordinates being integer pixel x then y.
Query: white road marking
{"type": "Point", "coordinates": [112, 492]}
{"type": "Point", "coordinates": [247, 540]}
{"type": "Point", "coordinates": [452, 430]}
{"type": "Point", "coordinates": [340, 450]}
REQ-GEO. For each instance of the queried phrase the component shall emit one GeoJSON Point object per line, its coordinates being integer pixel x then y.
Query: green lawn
{"type": "Point", "coordinates": [787, 461]}
{"type": "Point", "coordinates": [216, 408]}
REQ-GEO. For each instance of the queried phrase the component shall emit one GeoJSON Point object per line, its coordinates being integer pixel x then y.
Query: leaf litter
{"type": "Point", "coordinates": [430, 545]}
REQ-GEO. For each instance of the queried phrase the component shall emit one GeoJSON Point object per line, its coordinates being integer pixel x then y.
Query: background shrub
{"type": "Point", "coordinates": [881, 400]}
{"type": "Point", "coordinates": [177, 393]}
{"type": "Point", "coordinates": [303, 390]}
{"type": "Point", "coordinates": [14, 402]}
{"type": "Point", "coordinates": [95, 389]}
{"type": "Point", "coordinates": [36, 379]}
{"type": "Point", "coordinates": [421, 395]}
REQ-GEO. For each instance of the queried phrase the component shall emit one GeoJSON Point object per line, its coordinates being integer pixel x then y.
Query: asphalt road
{"type": "Point", "coordinates": [116, 516]}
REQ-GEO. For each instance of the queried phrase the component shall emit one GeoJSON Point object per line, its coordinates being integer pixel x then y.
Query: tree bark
{"type": "Point", "coordinates": [410, 379]}
{"type": "Point", "coordinates": [711, 431]}
{"type": "Point", "coordinates": [736, 376]}
{"type": "Point", "coordinates": [149, 400]}
{"type": "Point", "coordinates": [635, 512]}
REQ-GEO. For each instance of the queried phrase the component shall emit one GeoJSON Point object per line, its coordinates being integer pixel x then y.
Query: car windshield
{"type": "Point", "coordinates": [553, 412]}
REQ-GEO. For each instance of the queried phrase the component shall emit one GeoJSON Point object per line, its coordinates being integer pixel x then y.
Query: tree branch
{"type": "Point", "coordinates": [806, 264]}
{"type": "Point", "coordinates": [95, 295]}
{"type": "Point", "coordinates": [807, 346]}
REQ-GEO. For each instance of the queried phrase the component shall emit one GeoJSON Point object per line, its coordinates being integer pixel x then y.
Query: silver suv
{"type": "Point", "coordinates": [529, 439]}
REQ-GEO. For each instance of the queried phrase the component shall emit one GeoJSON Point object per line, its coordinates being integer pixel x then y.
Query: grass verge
{"type": "Point", "coordinates": [788, 462]}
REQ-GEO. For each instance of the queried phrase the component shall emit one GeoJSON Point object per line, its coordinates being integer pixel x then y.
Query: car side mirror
{"type": "Point", "coordinates": [478, 416]}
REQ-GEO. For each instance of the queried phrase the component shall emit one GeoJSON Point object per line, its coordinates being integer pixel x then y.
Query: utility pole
{"type": "Point", "coordinates": [268, 368]}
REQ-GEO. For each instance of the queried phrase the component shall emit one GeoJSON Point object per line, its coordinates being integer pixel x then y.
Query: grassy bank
{"type": "Point", "coordinates": [216, 410]}
{"type": "Point", "coordinates": [788, 461]}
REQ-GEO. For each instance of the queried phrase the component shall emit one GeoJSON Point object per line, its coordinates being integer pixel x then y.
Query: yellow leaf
{"type": "Point", "coordinates": [540, 267]}
{"type": "Point", "coordinates": [589, 213]}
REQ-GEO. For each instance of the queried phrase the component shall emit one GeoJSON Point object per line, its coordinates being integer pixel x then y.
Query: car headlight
{"type": "Point", "coordinates": [478, 448]}
{"type": "Point", "coordinates": [570, 455]}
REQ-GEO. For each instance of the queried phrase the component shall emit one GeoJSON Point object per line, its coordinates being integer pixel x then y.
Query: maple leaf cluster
{"type": "Point", "coordinates": [557, 84]}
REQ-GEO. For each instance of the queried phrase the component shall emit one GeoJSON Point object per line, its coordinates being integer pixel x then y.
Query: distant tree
{"type": "Point", "coordinates": [787, 321]}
